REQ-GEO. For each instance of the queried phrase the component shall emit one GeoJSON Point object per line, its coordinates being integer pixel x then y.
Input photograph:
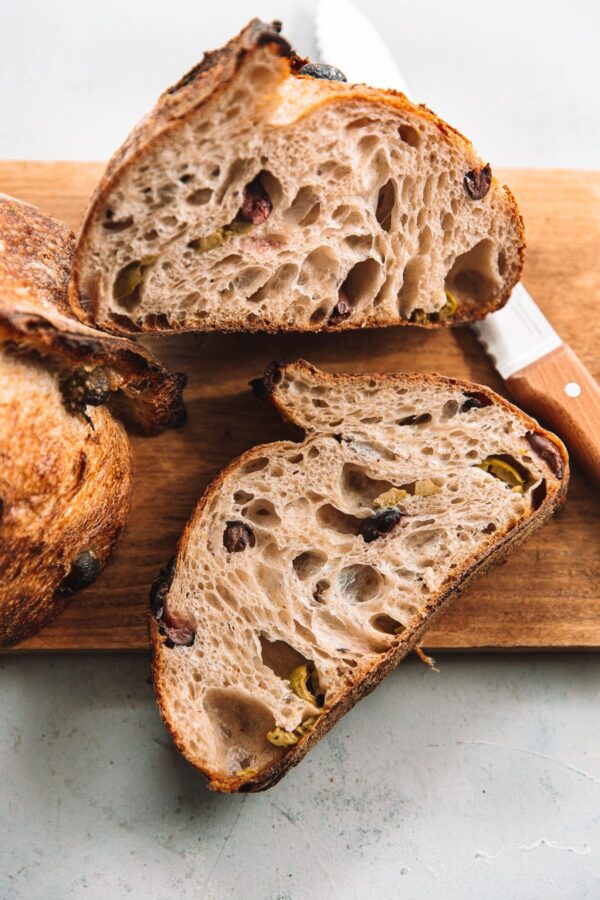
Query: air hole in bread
{"type": "Point", "coordinates": [241, 497]}
{"type": "Point", "coordinates": [335, 519]}
{"type": "Point", "coordinates": [322, 260]}
{"type": "Point", "coordinates": [359, 243]}
{"type": "Point", "coordinates": [304, 201]}
{"type": "Point", "coordinates": [123, 321]}
{"type": "Point", "coordinates": [408, 296]}
{"type": "Point", "coordinates": [320, 590]}
{"type": "Point", "coordinates": [272, 186]}
{"type": "Point", "coordinates": [319, 314]}
{"type": "Point", "coordinates": [191, 299]}
{"type": "Point", "coordinates": [385, 623]}
{"type": "Point", "coordinates": [489, 528]}
{"type": "Point", "coordinates": [386, 200]}
{"type": "Point", "coordinates": [280, 656]}
{"type": "Point", "coordinates": [426, 539]}
{"type": "Point", "coordinates": [278, 282]}
{"type": "Point", "coordinates": [362, 282]}
{"type": "Point", "coordinates": [199, 197]}
{"type": "Point", "coordinates": [538, 494]}
{"type": "Point", "coordinates": [308, 563]}
{"type": "Point", "coordinates": [449, 409]}
{"type": "Point", "coordinates": [254, 465]}
{"type": "Point", "coordinates": [368, 143]}
{"type": "Point", "coordinates": [410, 136]}
{"type": "Point", "coordinates": [262, 512]}
{"type": "Point", "coordinates": [239, 170]}
{"type": "Point", "coordinates": [240, 724]}
{"type": "Point", "coordinates": [250, 278]}
{"type": "Point", "coordinates": [474, 278]}
{"type": "Point", "coordinates": [340, 212]}
{"type": "Point", "coordinates": [359, 583]}
{"type": "Point", "coordinates": [157, 322]}
{"type": "Point", "coordinates": [360, 488]}
{"type": "Point", "coordinates": [362, 122]}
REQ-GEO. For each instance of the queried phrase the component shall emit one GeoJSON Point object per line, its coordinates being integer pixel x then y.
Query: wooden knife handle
{"type": "Point", "coordinates": [559, 389]}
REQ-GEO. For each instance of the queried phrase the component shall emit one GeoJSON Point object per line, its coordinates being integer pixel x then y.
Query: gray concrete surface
{"type": "Point", "coordinates": [482, 781]}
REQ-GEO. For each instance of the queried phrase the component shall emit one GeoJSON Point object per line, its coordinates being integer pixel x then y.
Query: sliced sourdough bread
{"type": "Point", "coordinates": [308, 570]}
{"type": "Point", "coordinates": [257, 197]}
{"type": "Point", "coordinates": [65, 473]}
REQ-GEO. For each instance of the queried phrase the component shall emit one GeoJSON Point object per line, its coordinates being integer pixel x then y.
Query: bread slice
{"type": "Point", "coordinates": [66, 464]}
{"type": "Point", "coordinates": [308, 570]}
{"type": "Point", "coordinates": [256, 197]}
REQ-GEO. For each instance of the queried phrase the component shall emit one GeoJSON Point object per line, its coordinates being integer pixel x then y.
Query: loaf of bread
{"type": "Point", "coordinates": [66, 464]}
{"type": "Point", "coordinates": [308, 570]}
{"type": "Point", "coordinates": [255, 196]}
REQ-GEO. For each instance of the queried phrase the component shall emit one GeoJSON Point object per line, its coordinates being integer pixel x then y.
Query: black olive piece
{"type": "Point", "coordinates": [256, 206]}
{"type": "Point", "coordinates": [478, 182]}
{"type": "Point", "coordinates": [83, 388]}
{"type": "Point", "coordinates": [322, 70]}
{"type": "Point", "coordinates": [380, 524]}
{"type": "Point", "coordinates": [85, 568]}
{"type": "Point", "coordinates": [475, 400]}
{"type": "Point", "coordinates": [548, 451]}
{"type": "Point", "coordinates": [237, 536]}
{"type": "Point", "coordinates": [176, 634]}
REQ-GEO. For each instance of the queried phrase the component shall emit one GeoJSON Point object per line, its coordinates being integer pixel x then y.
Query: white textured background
{"type": "Point", "coordinates": [482, 781]}
{"type": "Point", "coordinates": [520, 77]}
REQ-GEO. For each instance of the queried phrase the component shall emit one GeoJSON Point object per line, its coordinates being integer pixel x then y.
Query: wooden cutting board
{"type": "Point", "coordinates": [548, 592]}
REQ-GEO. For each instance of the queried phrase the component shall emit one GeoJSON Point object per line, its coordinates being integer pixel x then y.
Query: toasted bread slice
{"type": "Point", "coordinates": [257, 197]}
{"type": "Point", "coordinates": [308, 570]}
{"type": "Point", "coordinates": [66, 464]}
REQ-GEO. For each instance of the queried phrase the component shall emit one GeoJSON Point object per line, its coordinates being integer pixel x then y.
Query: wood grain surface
{"type": "Point", "coordinates": [547, 594]}
{"type": "Point", "coordinates": [567, 395]}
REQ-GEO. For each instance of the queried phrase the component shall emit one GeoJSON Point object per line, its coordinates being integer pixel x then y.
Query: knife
{"type": "Point", "coordinates": [539, 369]}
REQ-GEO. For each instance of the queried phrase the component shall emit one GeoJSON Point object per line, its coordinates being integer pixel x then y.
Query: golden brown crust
{"type": "Point", "coordinates": [64, 479]}
{"type": "Point", "coordinates": [369, 678]}
{"type": "Point", "coordinates": [35, 266]}
{"type": "Point", "coordinates": [64, 490]}
{"type": "Point", "coordinates": [198, 86]}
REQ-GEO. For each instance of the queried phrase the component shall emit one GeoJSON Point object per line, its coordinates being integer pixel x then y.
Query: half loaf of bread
{"type": "Point", "coordinates": [255, 196]}
{"type": "Point", "coordinates": [65, 467]}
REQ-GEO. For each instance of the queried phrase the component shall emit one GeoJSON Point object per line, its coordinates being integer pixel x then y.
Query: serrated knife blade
{"type": "Point", "coordinates": [540, 370]}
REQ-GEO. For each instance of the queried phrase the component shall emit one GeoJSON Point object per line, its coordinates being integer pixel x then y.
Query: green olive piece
{"type": "Point", "coordinates": [298, 679]}
{"type": "Point", "coordinates": [239, 227]}
{"type": "Point", "coordinates": [131, 276]}
{"type": "Point", "coordinates": [209, 241]}
{"type": "Point", "coordinates": [281, 738]}
{"type": "Point", "coordinates": [243, 773]}
{"type": "Point", "coordinates": [449, 308]}
{"type": "Point", "coordinates": [390, 498]}
{"type": "Point", "coordinates": [503, 470]}
{"type": "Point", "coordinates": [419, 317]}
{"type": "Point", "coordinates": [426, 488]}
